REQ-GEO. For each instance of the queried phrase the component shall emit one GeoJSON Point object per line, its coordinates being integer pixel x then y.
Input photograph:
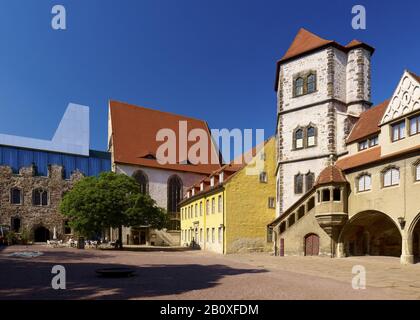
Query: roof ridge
{"type": "Point", "coordinates": [154, 110]}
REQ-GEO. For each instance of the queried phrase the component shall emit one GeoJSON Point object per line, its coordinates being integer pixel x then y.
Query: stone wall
{"type": "Point", "coordinates": [33, 216]}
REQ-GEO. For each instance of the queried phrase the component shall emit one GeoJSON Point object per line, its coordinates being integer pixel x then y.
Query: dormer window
{"type": "Point", "coordinates": [221, 175]}
{"type": "Point", "coordinates": [299, 87]}
{"type": "Point", "coordinates": [202, 186]}
{"type": "Point", "coordinates": [193, 191]}
{"type": "Point", "coordinates": [363, 145]}
{"type": "Point", "coordinates": [373, 141]}
{"type": "Point", "coordinates": [311, 83]}
{"type": "Point", "coordinates": [188, 194]}
{"type": "Point", "coordinates": [212, 182]}
{"type": "Point", "coordinates": [398, 131]}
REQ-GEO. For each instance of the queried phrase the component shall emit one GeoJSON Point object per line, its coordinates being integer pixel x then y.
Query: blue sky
{"type": "Point", "coordinates": [209, 59]}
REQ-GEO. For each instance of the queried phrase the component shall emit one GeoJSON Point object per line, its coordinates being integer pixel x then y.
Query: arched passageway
{"type": "Point", "coordinates": [41, 234]}
{"type": "Point", "coordinates": [371, 233]}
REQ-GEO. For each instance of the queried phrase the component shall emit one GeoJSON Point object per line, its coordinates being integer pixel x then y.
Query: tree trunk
{"type": "Point", "coordinates": [120, 238]}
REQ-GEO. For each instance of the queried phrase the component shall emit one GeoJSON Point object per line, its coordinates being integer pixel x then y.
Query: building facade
{"type": "Point", "coordinates": [363, 199]}
{"type": "Point", "coordinates": [228, 211]}
{"type": "Point", "coordinates": [134, 144]}
{"type": "Point", "coordinates": [34, 175]}
{"type": "Point", "coordinates": [322, 87]}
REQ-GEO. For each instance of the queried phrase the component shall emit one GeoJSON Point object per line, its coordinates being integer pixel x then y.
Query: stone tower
{"type": "Point", "coordinates": [322, 87]}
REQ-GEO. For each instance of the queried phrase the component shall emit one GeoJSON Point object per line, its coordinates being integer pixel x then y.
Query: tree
{"type": "Point", "coordinates": [110, 200]}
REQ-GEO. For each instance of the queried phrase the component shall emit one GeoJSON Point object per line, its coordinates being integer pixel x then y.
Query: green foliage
{"type": "Point", "coordinates": [11, 237]}
{"type": "Point", "coordinates": [110, 200]}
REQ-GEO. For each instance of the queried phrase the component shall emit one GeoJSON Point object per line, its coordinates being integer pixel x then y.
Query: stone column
{"type": "Point", "coordinates": [340, 250]}
{"type": "Point", "coordinates": [407, 248]}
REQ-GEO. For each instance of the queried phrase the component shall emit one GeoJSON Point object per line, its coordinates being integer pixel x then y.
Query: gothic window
{"type": "Point", "coordinates": [15, 196]}
{"type": "Point", "coordinates": [391, 177]}
{"type": "Point", "coordinates": [174, 193]}
{"type": "Point", "coordinates": [298, 139]}
{"type": "Point", "coordinates": [364, 182]}
{"type": "Point", "coordinates": [142, 180]}
{"type": "Point", "coordinates": [310, 136]}
{"type": "Point", "coordinates": [311, 86]}
{"type": "Point", "coordinates": [298, 183]}
{"type": "Point", "coordinates": [310, 179]}
{"type": "Point", "coordinates": [15, 224]}
{"type": "Point", "coordinates": [40, 197]}
{"type": "Point", "coordinates": [298, 86]}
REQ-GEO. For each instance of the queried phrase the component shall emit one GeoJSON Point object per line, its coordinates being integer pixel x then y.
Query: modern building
{"type": "Point", "coordinates": [347, 173]}
{"type": "Point", "coordinates": [133, 136]}
{"type": "Point", "coordinates": [229, 210]}
{"type": "Point", "coordinates": [35, 173]}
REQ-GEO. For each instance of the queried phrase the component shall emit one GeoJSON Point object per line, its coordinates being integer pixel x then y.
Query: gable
{"type": "Point", "coordinates": [405, 99]}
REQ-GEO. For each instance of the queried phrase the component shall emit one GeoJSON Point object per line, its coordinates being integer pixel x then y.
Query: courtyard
{"type": "Point", "coordinates": [200, 275]}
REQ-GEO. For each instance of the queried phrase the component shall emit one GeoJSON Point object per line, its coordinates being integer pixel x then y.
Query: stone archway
{"type": "Point", "coordinates": [371, 233]}
{"type": "Point", "coordinates": [41, 234]}
{"type": "Point", "coordinates": [414, 236]}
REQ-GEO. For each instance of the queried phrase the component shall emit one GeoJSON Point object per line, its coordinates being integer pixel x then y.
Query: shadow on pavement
{"type": "Point", "coordinates": [30, 279]}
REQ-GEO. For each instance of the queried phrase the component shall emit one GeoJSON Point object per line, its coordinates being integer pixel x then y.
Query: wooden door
{"type": "Point", "coordinates": [311, 245]}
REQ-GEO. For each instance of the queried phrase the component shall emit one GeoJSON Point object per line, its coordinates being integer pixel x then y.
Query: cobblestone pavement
{"type": "Point", "coordinates": [200, 275]}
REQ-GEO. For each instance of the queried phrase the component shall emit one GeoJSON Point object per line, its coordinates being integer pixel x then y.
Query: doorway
{"type": "Point", "coordinates": [41, 234]}
{"type": "Point", "coordinates": [312, 245]}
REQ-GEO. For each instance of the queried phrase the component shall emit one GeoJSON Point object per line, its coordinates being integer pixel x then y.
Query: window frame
{"type": "Point", "coordinates": [311, 74]}
{"type": "Point", "coordinates": [297, 176]}
{"type": "Point", "coordinates": [401, 130]}
{"type": "Point", "coordinates": [417, 119]}
{"type": "Point", "coordinates": [12, 196]}
{"type": "Point", "coordinates": [296, 86]}
{"type": "Point", "coordinates": [41, 192]}
{"type": "Point", "coordinates": [362, 177]}
{"type": "Point", "coordinates": [391, 169]}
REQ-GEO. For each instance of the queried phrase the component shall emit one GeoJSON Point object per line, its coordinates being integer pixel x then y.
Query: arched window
{"type": "Point", "coordinates": [298, 183]}
{"type": "Point", "coordinates": [310, 179]}
{"type": "Point", "coordinates": [298, 86]}
{"type": "Point", "coordinates": [364, 182]}
{"type": "Point", "coordinates": [298, 139]}
{"type": "Point", "coordinates": [15, 196]}
{"type": "Point", "coordinates": [40, 197]}
{"type": "Point", "coordinates": [142, 180]}
{"type": "Point", "coordinates": [311, 84]}
{"type": "Point", "coordinates": [174, 193]}
{"type": "Point", "coordinates": [310, 136]}
{"type": "Point", "coordinates": [391, 177]}
{"type": "Point", "coordinates": [15, 224]}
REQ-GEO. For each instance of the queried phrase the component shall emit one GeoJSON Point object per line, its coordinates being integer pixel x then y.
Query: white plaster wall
{"type": "Point", "coordinates": [316, 61]}
{"type": "Point", "coordinates": [158, 180]}
{"type": "Point", "coordinates": [316, 115]}
{"type": "Point", "coordinates": [291, 169]}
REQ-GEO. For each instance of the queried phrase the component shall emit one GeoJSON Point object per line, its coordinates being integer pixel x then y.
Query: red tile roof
{"type": "Point", "coordinates": [368, 123]}
{"type": "Point", "coordinates": [331, 174]}
{"type": "Point", "coordinates": [134, 141]}
{"type": "Point", "coordinates": [306, 42]}
{"type": "Point", "coordinates": [371, 156]}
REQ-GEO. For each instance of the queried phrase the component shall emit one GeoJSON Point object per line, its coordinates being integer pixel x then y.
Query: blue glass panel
{"type": "Point", "coordinates": [94, 166]}
{"type": "Point", "coordinates": [69, 164]}
{"type": "Point", "coordinates": [25, 158]}
{"type": "Point", "coordinates": [55, 158]}
{"type": "Point", "coordinates": [10, 158]}
{"type": "Point", "coordinates": [82, 164]}
{"type": "Point", "coordinates": [105, 165]}
{"type": "Point", "coordinates": [41, 162]}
